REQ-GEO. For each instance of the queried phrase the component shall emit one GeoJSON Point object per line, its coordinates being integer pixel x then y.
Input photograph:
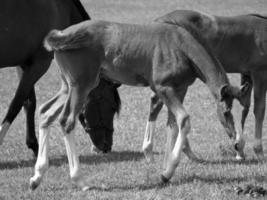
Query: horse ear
{"type": "Point", "coordinates": [224, 92]}
{"type": "Point", "coordinates": [116, 85]}
{"type": "Point", "coordinates": [244, 89]}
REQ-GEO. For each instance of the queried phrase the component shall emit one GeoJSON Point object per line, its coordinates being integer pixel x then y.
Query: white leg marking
{"type": "Point", "coordinates": [3, 130]}
{"type": "Point", "coordinates": [239, 145]}
{"type": "Point", "coordinates": [148, 141]}
{"type": "Point", "coordinates": [175, 154]}
{"type": "Point", "coordinates": [41, 165]}
{"type": "Point", "coordinates": [73, 159]}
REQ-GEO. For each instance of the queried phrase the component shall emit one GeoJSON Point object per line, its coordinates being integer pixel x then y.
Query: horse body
{"type": "Point", "coordinates": [156, 55]}
{"type": "Point", "coordinates": [23, 25]}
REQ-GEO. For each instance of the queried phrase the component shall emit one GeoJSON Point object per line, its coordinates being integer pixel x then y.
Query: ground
{"type": "Point", "coordinates": [123, 173]}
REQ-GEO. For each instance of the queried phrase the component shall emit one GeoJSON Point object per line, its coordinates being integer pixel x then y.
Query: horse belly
{"type": "Point", "coordinates": [125, 74]}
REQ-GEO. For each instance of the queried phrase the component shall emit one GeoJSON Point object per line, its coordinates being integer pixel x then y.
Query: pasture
{"type": "Point", "coordinates": [123, 173]}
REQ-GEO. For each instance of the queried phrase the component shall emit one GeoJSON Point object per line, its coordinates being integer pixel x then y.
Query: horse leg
{"type": "Point", "coordinates": [29, 108]}
{"type": "Point", "coordinates": [48, 113]}
{"type": "Point", "coordinates": [172, 136]}
{"type": "Point", "coordinates": [174, 104]}
{"type": "Point", "coordinates": [155, 107]}
{"type": "Point", "coordinates": [259, 112]}
{"type": "Point", "coordinates": [239, 143]}
{"type": "Point", "coordinates": [72, 108]}
{"type": "Point", "coordinates": [32, 72]}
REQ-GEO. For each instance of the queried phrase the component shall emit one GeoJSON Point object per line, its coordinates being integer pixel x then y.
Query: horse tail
{"type": "Point", "coordinates": [60, 40]}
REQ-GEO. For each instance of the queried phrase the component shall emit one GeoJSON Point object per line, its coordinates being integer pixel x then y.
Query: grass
{"type": "Point", "coordinates": [123, 174]}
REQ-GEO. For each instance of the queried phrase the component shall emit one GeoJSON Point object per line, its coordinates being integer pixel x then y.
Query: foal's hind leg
{"type": "Point", "coordinates": [174, 104]}
{"type": "Point", "coordinates": [36, 67]}
{"type": "Point", "coordinates": [30, 107]}
{"type": "Point", "coordinates": [259, 83]}
{"type": "Point", "coordinates": [48, 113]}
{"type": "Point", "coordinates": [72, 107]}
{"type": "Point", "coordinates": [155, 107]}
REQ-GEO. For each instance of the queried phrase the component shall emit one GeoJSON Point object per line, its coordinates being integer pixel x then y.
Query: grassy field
{"type": "Point", "coordinates": [123, 173]}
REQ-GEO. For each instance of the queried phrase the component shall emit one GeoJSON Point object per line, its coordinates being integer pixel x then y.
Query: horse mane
{"type": "Point", "coordinates": [81, 9]}
{"type": "Point", "coordinates": [258, 15]}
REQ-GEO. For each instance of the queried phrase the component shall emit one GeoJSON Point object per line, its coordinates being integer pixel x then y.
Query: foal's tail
{"type": "Point", "coordinates": [59, 40]}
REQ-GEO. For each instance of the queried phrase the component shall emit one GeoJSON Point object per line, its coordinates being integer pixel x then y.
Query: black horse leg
{"type": "Point", "coordinates": [32, 72]}
{"type": "Point", "coordinates": [29, 108]}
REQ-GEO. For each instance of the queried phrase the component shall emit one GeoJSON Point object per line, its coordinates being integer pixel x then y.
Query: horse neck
{"type": "Point", "coordinates": [214, 77]}
{"type": "Point", "coordinates": [225, 28]}
{"type": "Point", "coordinates": [208, 68]}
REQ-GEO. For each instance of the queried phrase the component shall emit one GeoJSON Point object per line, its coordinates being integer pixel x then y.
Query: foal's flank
{"type": "Point", "coordinates": [163, 57]}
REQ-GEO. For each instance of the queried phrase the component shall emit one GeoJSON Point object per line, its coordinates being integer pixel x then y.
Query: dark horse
{"type": "Point", "coordinates": [98, 114]}
{"type": "Point", "coordinates": [164, 57]}
{"type": "Point", "coordinates": [240, 44]}
{"type": "Point", "coordinates": [23, 25]}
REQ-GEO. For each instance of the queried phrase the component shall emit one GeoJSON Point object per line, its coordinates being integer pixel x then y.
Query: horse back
{"type": "Point", "coordinates": [235, 40]}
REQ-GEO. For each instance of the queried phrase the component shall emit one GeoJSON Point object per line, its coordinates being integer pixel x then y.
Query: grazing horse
{"type": "Point", "coordinates": [23, 26]}
{"type": "Point", "coordinates": [98, 114]}
{"type": "Point", "coordinates": [164, 57]}
{"type": "Point", "coordinates": [240, 44]}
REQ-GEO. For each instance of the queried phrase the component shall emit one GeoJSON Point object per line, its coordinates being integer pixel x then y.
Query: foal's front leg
{"type": "Point", "coordinates": [174, 104]}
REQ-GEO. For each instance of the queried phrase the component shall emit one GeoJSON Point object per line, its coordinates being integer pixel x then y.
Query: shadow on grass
{"type": "Point", "coordinates": [157, 185]}
{"type": "Point", "coordinates": [85, 159]}
{"type": "Point", "coordinates": [233, 161]}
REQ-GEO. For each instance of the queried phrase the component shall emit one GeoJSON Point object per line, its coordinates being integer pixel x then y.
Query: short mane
{"type": "Point", "coordinates": [258, 15]}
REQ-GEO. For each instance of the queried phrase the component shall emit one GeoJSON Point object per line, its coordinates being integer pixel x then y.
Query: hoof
{"type": "Point", "coordinates": [239, 157]}
{"type": "Point", "coordinates": [164, 179]}
{"type": "Point", "coordinates": [85, 188]}
{"type": "Point", "coordinates": [95, 150]}
{"type": "Point", "coordinates": [149, 157]}
{"type": "Point", "coordinates": [34, 184]}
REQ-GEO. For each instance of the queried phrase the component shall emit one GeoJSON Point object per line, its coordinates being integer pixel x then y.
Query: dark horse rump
{"type": "Point", "coordinates": [23, 25]}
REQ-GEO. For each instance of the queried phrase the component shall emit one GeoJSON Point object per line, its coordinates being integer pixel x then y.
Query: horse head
{"type": "Point", "coordinates": [98, 114]}
{"type": "Point", "coordinates": [233, 101]}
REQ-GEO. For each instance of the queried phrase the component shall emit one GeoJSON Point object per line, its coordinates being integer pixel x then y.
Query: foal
{"type": "Point", "coordinates": [163, 57]}
{"type": "Point", "coordinates": [240, 44]}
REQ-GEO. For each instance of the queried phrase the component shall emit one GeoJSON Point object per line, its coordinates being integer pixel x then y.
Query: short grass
{"type": "Point", "coordinates": [123, 173]}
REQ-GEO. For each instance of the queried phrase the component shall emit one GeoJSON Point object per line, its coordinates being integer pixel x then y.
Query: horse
{"type": "Point", "coordinates": [164, 57]}
{"type": "Point", "coordinates": [240, 44]}
{"type": "Point", "coordinates": [98, 114]}
{"type": "Point", "coordinates": [23, 28]}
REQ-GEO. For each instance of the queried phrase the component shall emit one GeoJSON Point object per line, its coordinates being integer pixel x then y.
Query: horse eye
{"type": "Point", "coordinates": [227, 113]}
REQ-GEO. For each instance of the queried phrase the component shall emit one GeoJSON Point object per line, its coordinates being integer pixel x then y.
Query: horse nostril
{"type": "Point", "coordinates": [236, 146]}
